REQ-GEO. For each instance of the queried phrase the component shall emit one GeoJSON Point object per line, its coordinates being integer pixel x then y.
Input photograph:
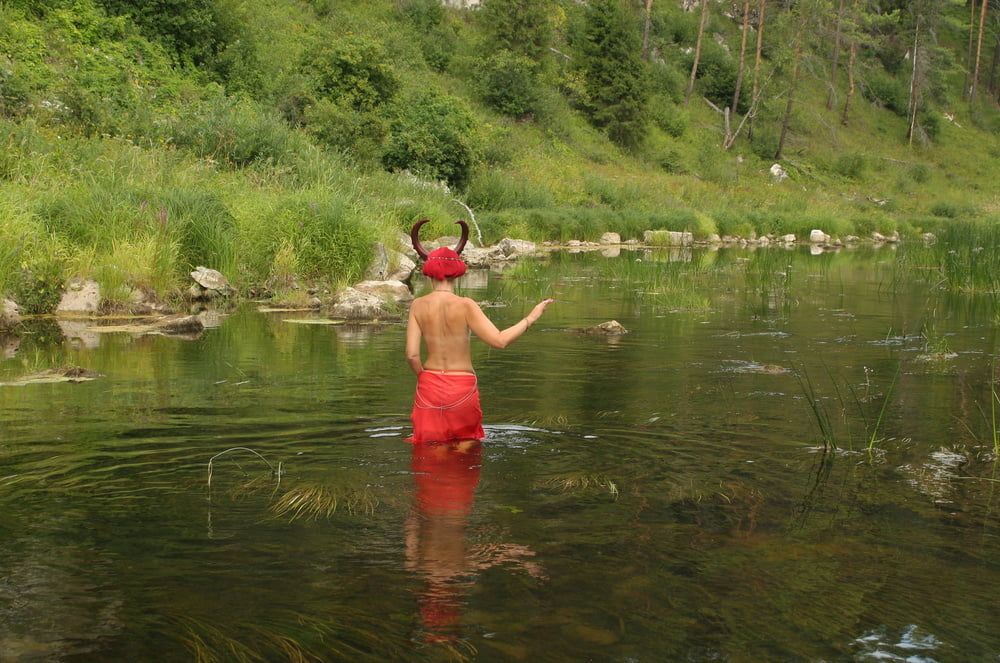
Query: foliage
{"type": "Point", "coordinates": [433, 136]}
{"type": "Point", "coordinates": [39, 287]}
{"type": "Point", "coordinates": [616, 84]}
{"type": "Point", "coordinates": [519, 26]}
{"type": "Point", "coordinates": [509, 83]}
{"type": "Point", "coordinates": [353, 71]}
{"type": "Point", "coordinates": [195, 30]}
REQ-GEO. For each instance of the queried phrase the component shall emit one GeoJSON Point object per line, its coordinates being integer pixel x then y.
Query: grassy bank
{"type": "Point", "coordinates": [130, 158]}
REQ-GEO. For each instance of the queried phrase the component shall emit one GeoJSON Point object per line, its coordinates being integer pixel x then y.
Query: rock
{"type": "Point", "coordinates": [10, 314]}
{"type": "Point", "coordinates": [852, 239]}
{"type": "Point", "coordinates": [764, 241]}
{"type": "Point", "coordinates": [9, 345]}
{"type": "Point", "coordinates": [477, 257]}
{"type": "Point", "coordinates": [609, 328]}
{"type": "Point", "coordinates": [210, 279]}
{"type": "Point", "coordinates": [611, 252]}
{"type": "Point", "coordinates": [389, 291]}
{"type": "Point", "coordinates": [188, 324]}
{"type": "Point", "coordinates": [352, 304]}
{"type": "Point", "coordinates": [611, 238]}
{"type": "Point", "coordinates": [195, 292]}
{"type": "Point", "coordinates": [389, 265]}
{"type": "Point", "coordinates": [778, 173]}
{"type": "Point", "coordinates": [714, 239]}
{"type": "Point", "coordinates": [878, 237]}
{"type": "Point", "coordinates": [516, 247]}
{"type": "Point", "coordinates": [54, 375]}
{"type": "Point", "coordinates": [574, 243]}
{"type": "Point", "coordinates": [447, 240]}
{"type": "Point", "coordinates": [80, 297]}
{"type": "Point", "coordinates": [211, 319]}
{"type": "Point", "coordinates": [788, 239]}
{"type": "Point", "coordinates": [929, 238]}
{"type": "Point", "coordinates": [667, 238]}
{"type": "Point", "coordinates": [818, 237]}
{"type": "Point", "coordinates": [893, 238]}
{"type": "Point", "coordinates": [405, 246]}
{"type": "Point", "coordinates": [315, 302]}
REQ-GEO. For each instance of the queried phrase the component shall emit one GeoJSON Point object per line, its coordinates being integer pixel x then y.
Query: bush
{"type": "Point", "coordinates": [195, 30]}
{"type": "Point", "coordinates": [433, 136]}
{"type": "Point", "coordinates": [930, 121]}
{"type": "Point", "coordinates": [851, 166]}
{"type": "Point", "coordinates": [39, 288]}
{"type": "Point", "coordinates": [668, 116]}
{"type": "Point", "coordinates": [437, 41]}
{"type": "Point", "coordinates": [357, 133]}
{"type": "Point", "coordinates": [354, 71]}
{"type": "Point", "coordinates": [509, 83]}
{"type": "Point", "coordinates": [884, 90]}
{"type": "Point", "coordinates": [521, 26]}
{"type": "Point", "coordinates": [671, 161]}
{"type": "Point", "coordinates": [496, 191]}
{"type": "Point", "coordinates": [920, 173]}
{"type": "Point", "coordinates": [949, 210]}
{"type": "Point", "coordinates": [717, 74]}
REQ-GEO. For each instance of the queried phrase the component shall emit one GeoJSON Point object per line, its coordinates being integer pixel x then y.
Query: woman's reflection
{"type": "Point", "coordinates": [446, 476]}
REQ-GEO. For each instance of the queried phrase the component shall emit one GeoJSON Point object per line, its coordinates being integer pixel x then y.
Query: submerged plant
{"type": "Point", "coordinates": [313, 502]}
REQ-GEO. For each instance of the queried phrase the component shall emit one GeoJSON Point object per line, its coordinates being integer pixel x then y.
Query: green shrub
{"type": "Point", "coordinates": [492, 190]}
{"type": "Point", "coordinates": [508, 82]}
{"type": "Point", "coordinates": [356, 133]}
{"type": "Point", "coordinates": [521, 26]}
{"type": "Point", "coordinates": [851, 166]}
{"type": "Point", "coordinates": [930, 121]}
{"type": "Point", "coordinates": [882, 89]}
{"type": "Point", "coordinates": [671, 161]}
{"type": "Point", "coordinates": [920, 173]}
{"type": "Point", "coordinates": [433, 136]}
{"type": "Point", "coordinates": [195, 30]}
{"type": "Point", "coordinates": [39, 288]}
{"type": "Point", "coordinates": [668, 116]}
{"type": "Point", "coordinates": [717, 75]}
{"type": "Point", "coordinates": [949, 210]}
{"type": "Point", "coordinates": [353, 71]}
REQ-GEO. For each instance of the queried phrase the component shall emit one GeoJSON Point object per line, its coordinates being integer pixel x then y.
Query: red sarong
{"type": "Point", "coordinates": [446, 408]}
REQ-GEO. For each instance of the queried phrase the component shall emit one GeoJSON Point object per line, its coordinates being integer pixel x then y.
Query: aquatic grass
{"type": "Point", "coordinates": [873, 433]}
{"type": "Point", "coordinates": [315, 501]}
{"type": "Point", "coordinates": [817, 408]}
{"type": "Point", "coordinates": [583, 482]}
{"type": "Point", "coordinates": [275, 471]}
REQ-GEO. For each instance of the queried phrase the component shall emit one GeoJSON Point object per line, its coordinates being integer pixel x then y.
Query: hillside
{"type": "Point", "coordinates": [276, 140]}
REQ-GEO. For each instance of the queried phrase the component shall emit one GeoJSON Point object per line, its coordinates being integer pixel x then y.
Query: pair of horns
{"type": "Point", "coordinates": [419, 248]}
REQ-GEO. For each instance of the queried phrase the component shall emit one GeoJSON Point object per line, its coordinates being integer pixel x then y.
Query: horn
{"type": "Point", "coordinates": [415, 238]}
{"type": "Point", "coordinates": [465, 236]}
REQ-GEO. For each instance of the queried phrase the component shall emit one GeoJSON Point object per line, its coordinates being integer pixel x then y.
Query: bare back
{"type": "Point", "coordinates": [442, 318]}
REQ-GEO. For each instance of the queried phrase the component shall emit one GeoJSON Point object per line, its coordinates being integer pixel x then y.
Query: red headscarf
{"type": "Point", "coordinates": [443, 264]}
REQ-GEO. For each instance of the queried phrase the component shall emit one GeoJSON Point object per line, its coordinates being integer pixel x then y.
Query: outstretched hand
{"type": "Point", "coordinates": [538, 310]}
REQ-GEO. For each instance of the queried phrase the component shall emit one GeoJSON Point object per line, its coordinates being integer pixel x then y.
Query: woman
{"type": "Point", "coordinates": [446, 404]}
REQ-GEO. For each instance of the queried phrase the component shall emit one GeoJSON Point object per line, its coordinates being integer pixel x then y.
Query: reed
{"type": "Point", "coordinates": [873, 433]}
{"type": "Point", "coordinates": [313, 502]}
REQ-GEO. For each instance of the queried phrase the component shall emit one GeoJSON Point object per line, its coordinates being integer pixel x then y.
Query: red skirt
{"type": "Point", "coordinates": [446, 408]}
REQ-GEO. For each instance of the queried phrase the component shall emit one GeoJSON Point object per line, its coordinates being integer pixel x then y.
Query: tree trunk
{"type": "Point", "coordinates": [850, 81]}
{"type": "Point", "coordinates": [836, 56]}
{"type": "Point", "coordinates": [791, 98]}
{"type": "Point", "coordinates": [697, 49]}
{"type": "Point", "coordinates": [756, 63]}
{"type": "Point", "coordinates": [743, 51]}
{"type": "Point", "coordinates": [914, 88]}
{"type": "Point", "coordinates": [972, 41]}
{"type": "Point", "coordinates": [979, 50]}
{"type": "Point", "coordinates": [645, 29]}
{"type": "Point", "coordinates": [994, 83]}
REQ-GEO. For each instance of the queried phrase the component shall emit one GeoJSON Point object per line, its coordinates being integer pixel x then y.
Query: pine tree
{"type": "Point", "coordinates": [616, 84]}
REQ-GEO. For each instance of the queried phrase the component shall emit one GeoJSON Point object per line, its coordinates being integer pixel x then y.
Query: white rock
{"type": "Point", "coordinates": [483, 257]}
{"type": "Point", "coordinates": [929, 238]}
{"type": "Point", "coordinates": [851, 239]}
{"type": "Point", "coordinates": [352, 304]}
{"type": "Point", "coordinates": [878, 237]}
{"type": "Point", "coordinates": [516, 247]}
{"type": "Point", "coordinates": [894, 237]}
{"type": "Point", "coordinates": [778, 173]}
{"type": "Point", "coordinates": [10, 314]}
{"type": "Point", "coordinates": [818, 237]}
{"type": "Point", "coordinates": [764, 241]}
{"type": "Point", "coordinates": [80, 297]}
{"type": "Point", "coordinates": [611, 238]}
{"type": "Point", "coordinates": [389, 291]}
{"type": "Point", "coordinates": [574, 242]}
{"type": "Point", "coordinates": [667, 238]}
{"type": "Point", "coordinates": [714, 239]}
{"type": "Point", "coordinates": [788, 239]}
{"type": "Point", "coordinates": [78, 333]}
{"type": "Point", "coordinates": [211, 279]}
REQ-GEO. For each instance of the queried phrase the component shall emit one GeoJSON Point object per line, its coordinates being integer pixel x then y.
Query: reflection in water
{"type": "Point", "coordinates": [445, 477]}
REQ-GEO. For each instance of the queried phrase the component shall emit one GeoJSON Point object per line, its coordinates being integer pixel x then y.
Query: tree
{"type": "Point", "coordinates": [972, 41]}
{"type": "Point", "coordinates": [519, 26]}
{"type": "Point", "coordinates": [761, 7]}
{"type": "Point", "coordinates": [614, 74]}
{"type": "Point", "coordinates": [697, 49]}
{"type": "Point", "coordinates": [979, 50]}
{"type": "Point", "coordinates": [645, 28]}
{"type": "Point", "coordinates": [851, 60]}
{"type": "Point", "coordinates": [743, 51]}
{"type": "Point", "coordinates": [835, 58]}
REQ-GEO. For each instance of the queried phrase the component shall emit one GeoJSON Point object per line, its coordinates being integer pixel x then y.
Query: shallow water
{"type": "Point", "coordinates": [665, 495]}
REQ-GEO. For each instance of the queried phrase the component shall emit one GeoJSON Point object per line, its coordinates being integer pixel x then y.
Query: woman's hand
{"type": "Point", "coordinates": [538, 310]}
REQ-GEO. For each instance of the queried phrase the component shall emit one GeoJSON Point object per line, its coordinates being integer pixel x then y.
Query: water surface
{"type": "Point", "coordinates": [666, 495]}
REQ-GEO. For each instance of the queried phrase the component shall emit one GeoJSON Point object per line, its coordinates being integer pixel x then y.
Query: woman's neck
{"type": "Point", "coordinates": [443, 286]}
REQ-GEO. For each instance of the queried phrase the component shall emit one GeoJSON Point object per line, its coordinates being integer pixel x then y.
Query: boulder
{"type": "Point", "coordinates": [609, 328]}
{"type": "Point", "coordinates": [389, 265]}
{"type": "Point", "coordinates": [611, 238]}
{"type": "Point", "coordinates": [79, 334]}
{"type": "Point", "coordinates": [878, 237]}
{"type": "Point", "coordinates": [513, 248]}
{"type": "Point", "coordinates": [352, 304]}
{"type": "Point", "coordinates": [10, 314]}
{"type": "Point", "coordinates": [788, 239]}
{"type": "Point", "coordinates": [405, 246]}
{"type": "Point", "coordinates": [764, 241]}
{"type": "Point", "coordinates": [80, 297]}
{"type": "Point", "coordinates": [574, 243]}
{"type": "Point", "coordinates": [818, 237]}
{"type": "Point", "coordinates": [447, 240]}
{"type": "Point", "coordinates": [667, 238]}
{"type": "Point", "coordinates": [778, 174]}
{"type": "Point", "coordinates": [852, 239]}
{"type": "Point", "coordinates": [477, 257]}
{"type": "Point", "coordinates": [611, 251]}
{"type": "Point", "coordinates": [893, 238]}
{"type": "Point", "coordinates": [211, 279]}
{"type": "Point", "coordinates": [714, 239]}
{"type": "Point", "coordinates": [389, 291]}
{"type": "Point", "coordinates": [9, 346]}
{"type": "Point", "coordinates": [929, 238]}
